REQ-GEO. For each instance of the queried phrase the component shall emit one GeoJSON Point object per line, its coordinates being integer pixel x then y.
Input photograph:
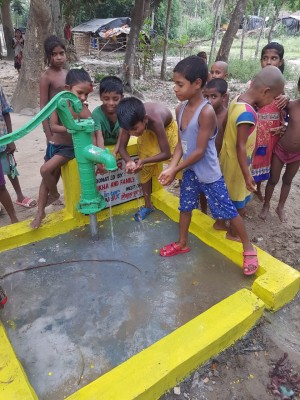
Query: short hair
{"type": "Point", "coordinates": [219, 84]}
{"type": "Point", "coordinates": [192, 68]}
{"type": "Point", "coordinates": [277, 47]}
{"type": "Point", "coordinates": [130, 111]}
{"type": "Point", "coordinates": [49, 44]}
{"type": "Point", "coordinates": [111, 84]}
{"type": "Point", "coordinates": [77, 75]}
{"type": "Point", "coordinates": [18, 30]}
{"type": "Point", "coordinates": [202, 54]}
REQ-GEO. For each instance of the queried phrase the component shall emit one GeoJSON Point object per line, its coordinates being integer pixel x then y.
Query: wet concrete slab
{"type": "Point", "coordinates": [86, 306]}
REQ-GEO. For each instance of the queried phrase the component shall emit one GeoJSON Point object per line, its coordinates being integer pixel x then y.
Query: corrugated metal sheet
{"type": "Point", "coordinates": [97, 24]}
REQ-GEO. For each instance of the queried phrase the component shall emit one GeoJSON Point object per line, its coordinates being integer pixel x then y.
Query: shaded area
{"type": "Point", "coordinates": [70, 323]}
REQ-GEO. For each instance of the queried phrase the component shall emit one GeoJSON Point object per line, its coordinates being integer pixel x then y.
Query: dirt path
{"type": "Point", "coordinates": [241, 372]}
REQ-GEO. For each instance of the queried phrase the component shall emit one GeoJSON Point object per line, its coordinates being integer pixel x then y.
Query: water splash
{"type": "Point", "coordinates": [110, 215]}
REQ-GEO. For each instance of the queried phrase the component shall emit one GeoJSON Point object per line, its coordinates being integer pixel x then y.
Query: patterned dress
{"type": "Point", "coordinates": [268, 117]}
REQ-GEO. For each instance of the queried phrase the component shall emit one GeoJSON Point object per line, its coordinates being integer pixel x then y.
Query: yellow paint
{"type": "Point", "coordinates": [161, 366]}
{"type": "Point", "coordinates": [276, 283]}
{"type": "Point", "coordinates": [14, 384]}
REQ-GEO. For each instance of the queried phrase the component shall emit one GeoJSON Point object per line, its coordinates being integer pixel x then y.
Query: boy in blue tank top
{"type": "Point", "coordinates": [197, 128]}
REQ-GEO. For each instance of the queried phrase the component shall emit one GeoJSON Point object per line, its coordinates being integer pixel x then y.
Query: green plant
{"type": "Point", "coordinates": [243, 70]}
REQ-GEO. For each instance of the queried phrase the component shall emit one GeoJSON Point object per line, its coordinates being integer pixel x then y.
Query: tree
{"type": "Point", "coordinates": [166, 39]}
{"type": "Point", "coordinates": [44, 20]}
{"type": "Point", "coordinates": [7, 27]}
{"type": "Point", "coordinates": [137, 19]}
{"type": "Point", "coordinates": [231, 31]}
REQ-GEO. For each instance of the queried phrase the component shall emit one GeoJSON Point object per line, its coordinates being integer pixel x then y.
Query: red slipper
{"type": "Point", "coordinates": [172, 249]}
{"type": "Point", "coordinates": [250, 265]}
{"type": "Point", "coordinates": [27, 202]}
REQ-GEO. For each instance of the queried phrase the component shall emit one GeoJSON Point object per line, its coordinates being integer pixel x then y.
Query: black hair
{"type": "Point", "coordinates": [219, 84]}
{"type": "Point", "coordinates": [202, 54]}
{"type": "Point", "coordinates": [77, 75]}
{"type": "Point", "coordinates": [49, 44]}
{"type": "Point", "coordinates": [18, 30]}
{"type": "Point", "coordinates": [299, 82]}
{"type": "Point", "coordinates": [130, 111]}
{"type": "Point", "coordinates": [192, 68]}
{"type": "Point", "coordinates": [111, 84]}
{"type": "Point", "coordinates": [278, 48]}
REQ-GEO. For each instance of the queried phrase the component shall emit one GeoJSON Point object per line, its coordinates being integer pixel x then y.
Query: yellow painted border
{"type": "Point", "coordinates": [150, 373]}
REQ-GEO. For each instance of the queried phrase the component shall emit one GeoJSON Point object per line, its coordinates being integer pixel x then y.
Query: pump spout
{"type": "Point", "coordinates": [100, 156]}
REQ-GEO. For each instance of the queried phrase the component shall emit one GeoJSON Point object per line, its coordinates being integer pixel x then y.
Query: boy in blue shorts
{"type": "Point", "coordinates": [197, 127]}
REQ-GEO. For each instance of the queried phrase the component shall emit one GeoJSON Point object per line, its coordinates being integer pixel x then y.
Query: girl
{"type": "Point", "coordinates": [61, 149]}
{"type": "Point", "coordinates": [17, 45]}
{"type": "Point", "coordinates": [270, 118]}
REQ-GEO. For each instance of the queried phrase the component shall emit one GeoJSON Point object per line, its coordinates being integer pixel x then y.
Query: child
{"type": "Point", "coordinates": [286, 152]}
{"type": "Point", "coordinates": [219, 69]}
{"type": "Point", "coordinates": [5, 199]}
{"type": "Point", "coordinates": [270, 118]}
{"type": "Point", "coordinates": [17, 45]}
{"type": "Point", "coordinates": [61, 148]}
{"type": "Point", "coordinates": [7, 159]}
{"type": "Point", "coordinates": [52, 81]}
{"type": "Point", "coordinates": [240, 135]}
{"type": "Point", "coordinates": [215, 92]}
{"type": "Point", "coordinates": [197, 132]}
{"type": "Point", "coordinates": [156, 130]}
{"type": "Point", "coordinates": [202, 54]}
{"type": "Point", "coordinates": [105, 116]}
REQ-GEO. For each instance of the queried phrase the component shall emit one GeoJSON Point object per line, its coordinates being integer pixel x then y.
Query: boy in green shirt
{"type": "Point", "coordinates": [105, 116]}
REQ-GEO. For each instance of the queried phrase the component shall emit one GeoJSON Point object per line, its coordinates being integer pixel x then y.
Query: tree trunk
{"type": "Point", "coordinates": [231, 31]}
{"type": "Point", "coordinates": [166, 40]}
{"type": "Point", "coordinates": [261, 30]}
{"type": "Point", "coordinates": [43, 20]}
{"type": "Point", "coordinates": [277, 10]}
{"type": "Point", "coordinates": [7, 28]}
{"type": "Point", "coordinates": [217, 24]}
{"type": "Point", "coordinates": [243, 38]}
{"type": "Point", "coordinates": [132, 43]}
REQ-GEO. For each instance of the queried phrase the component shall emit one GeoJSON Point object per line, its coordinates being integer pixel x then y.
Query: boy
{"type": "Point", "coordinates": [240, 136]}
{"type": "Point", "coordinates": [215, 92]}
{"type": "Point", "coordinates": [219, 69]}
{"type": "Point", "coordinates": [286, 152]}
{"type": "Point", "coordinates": [105, 116]}
{"type": "Point", "coordinates": [197, 131]}
{"type": "Point", "coordinates": [156, 130]}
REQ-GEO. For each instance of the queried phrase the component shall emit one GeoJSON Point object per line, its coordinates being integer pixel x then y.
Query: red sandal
{"type": "Point", "coordinates": [172, 249]}
{"type": "Point", "coordinates": [250, 265]}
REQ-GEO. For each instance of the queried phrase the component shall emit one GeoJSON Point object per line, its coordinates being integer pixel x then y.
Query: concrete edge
{"type": "Point", "coordinates": [153, 371]}
{"type": "Point", "coordinates": [276, 284]}
{"type": "Point", "coordinates": [14, 384]}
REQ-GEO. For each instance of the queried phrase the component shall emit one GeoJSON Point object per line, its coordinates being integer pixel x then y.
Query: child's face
{"type": "Point", "coordinates": [138, 128]}
{"type": "Point", "coordinates": [58, 57]}
{"type": "Point", "coordinates": [18, 34]}
{"type": "Point", "coordinates": [271, 57]}
{"type": "Point", "coordinates": [215, 98]}
{"type": "Point", "coordinates": [110, 101]}
{"type": "Point", "coordinates": [183, 88]}
{"type": "Point", "coordinates": [81, 90]}
{"type": "Point", "coordinates": [217, 71]}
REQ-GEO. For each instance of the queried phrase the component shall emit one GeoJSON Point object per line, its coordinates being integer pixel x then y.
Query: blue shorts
{"type": "Point", "coordinates": [216, 193]}
{"type": "Point", "coordinates": [60, 150]}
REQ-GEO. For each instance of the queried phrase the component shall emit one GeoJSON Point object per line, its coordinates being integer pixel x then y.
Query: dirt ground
{"type": "Point", "coordinates": [242, 371]}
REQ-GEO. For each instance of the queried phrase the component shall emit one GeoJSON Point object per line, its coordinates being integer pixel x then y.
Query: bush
{"type": "Point", "coordinates": [243, 70]}
{"type": "Point", "coordinates": [200, 28]}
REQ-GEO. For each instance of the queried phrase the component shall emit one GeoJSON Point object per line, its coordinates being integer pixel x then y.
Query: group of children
{"type": "Point", "coordinates": [222, 154]}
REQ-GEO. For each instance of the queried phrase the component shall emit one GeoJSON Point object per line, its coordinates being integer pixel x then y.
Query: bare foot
{"type": "Point", "coordinates": [281, 214]}
{"type": "Point", "coordinates": [259, 195]}
{"type": "Point", "coordinates": [14, 220]}
{"type": "Point", "coordinates": [52, 198]}
{"type": "Point", "coordinates": [220, 225]}
{"type": "Point", "coordinates": [36, 223]}
{"type": "Point", "coordinates": [264, 212]}
{"type": "Point", "coordinates": [229, 236]}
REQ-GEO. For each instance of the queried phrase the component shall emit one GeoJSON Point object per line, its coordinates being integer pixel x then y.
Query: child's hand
{"type": "Point", "coordinates": [130, 167]}
{"type": "Point", "coordinates": [282, 101]}
{"type": "Point", "coordinates": [10, 148]}
{"type": "Point", "coordinates": [166, 177]}
{"type": "Point", "coordinates": [250, 184]}
{"type": "Point", "coordinates": [101, 169]}
{"type": "Point", "coordinates": [139, 165]}
{"type": "Point", "coordinates": [280, 130]}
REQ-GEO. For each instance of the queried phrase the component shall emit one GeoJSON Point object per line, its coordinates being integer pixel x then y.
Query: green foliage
{"type": "Point", "coordinates": [200, 28]}
{"type": "Point", "coordinates": [243, 70]}
{"type": "Point", "coordinates": [160, 19]}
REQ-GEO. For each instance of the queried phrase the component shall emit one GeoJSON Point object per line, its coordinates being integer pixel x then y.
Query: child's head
{"type": "Point", "coordinates": [190, 76]}
{"type": "Point", "coordinates": [267, 85]}
{"type": "Point", "coordinates": [132, 116]}
{"type": "Point", "coordinates": [79, 82]}
{"type": "Point", "coordinates": [18, 33]}
{"type": "Point", "coordinates": [216, 92]}
{"type": "Point", "coordinates": [272, 54]}
{"type": "Point", "coordinates": [55, 52]}
{"type": "Point", "coordinates": [219, 69]}
{"type": "Point", "coordinates": [202, 54]}
{"type": "Point", "coordinates": [111, 93]}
